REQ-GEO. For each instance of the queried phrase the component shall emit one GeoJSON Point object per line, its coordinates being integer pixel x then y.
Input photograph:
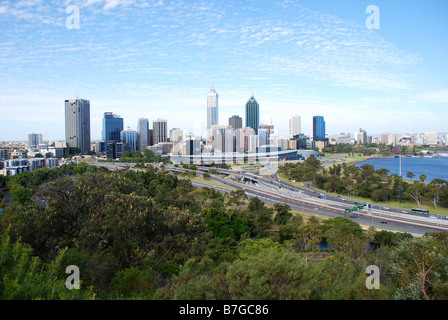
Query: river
{"type": "Point", "coordinates": [436, 167]}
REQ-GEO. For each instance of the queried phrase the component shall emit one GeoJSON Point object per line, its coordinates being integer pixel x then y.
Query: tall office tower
{"type": "Point", "coordinates": [77, 124]}
{"type": "Point", "coordinates": [318, 128]}
{"type": "Point", "coordinates": [130, 137]}
{"type": "Point", "coordinates": [263, 137]}
{"type": "Point", "coordinates": [242, 137]}
{"type": "Point", "coordinates": [236, 122]}
{"type": "Point", "coordinates": [159, 131]}
{"type": "Point", "coordinates": [361, 136]}
{"type": "Point", "coordinates": [212, 110]}
{"type": "Point", "coordinates": [34, 139]}
{"type": "Point", "coordinates": [112, 126]}
{"type": "Point", "coordinates": [192, 146]}
{"type": "Point", "coordinates": [223, 139]}
{"type": "Point", "coordinates": [294, 126]}
{"type": "Point", "coordinates": [143, 134]}
{"type": "Point", "coordinates": [177, 137]}
{"type": "Point", "coordinates": [150, 137]}
{"type": "Point", "coordinates": [253, 114]}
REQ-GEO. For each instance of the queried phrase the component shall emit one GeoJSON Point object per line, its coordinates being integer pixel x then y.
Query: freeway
{"type": "Point", "coordinates": [311, 201]}
{"type": "Point", "coordinates": [307, 200]}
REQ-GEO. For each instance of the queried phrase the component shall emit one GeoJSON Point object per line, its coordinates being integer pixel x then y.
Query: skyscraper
{"type": "Point", "coordinates": [112, 126]}
{"type": "Point", "coordinates": [177, 137]}
{"type": "Point", "coordinates": [318, 128]}
{"type": "Point", "coordinates": [143, 134]}
{"type": "Point", "coordinates": [77, 124]}
{"type": "Point", "coordinates": [361, 136]}
{"type": "Point", "coordinates": [253, 114]}
{"type": "Point", "coordinates": [236, 122]}
{"type": "Point", "coordinates": [223, 139]}
{"type": "Point", "coordinates": [294, 126]}
{"type": "Point", "coordinates": [212, 110]}
{"type": "Point", "coordinates": [130, 137]}
{"type": "Point", "coordinates": [159, 131]}
{"type": "Point", "coordinates": [34, 139]}
{"type": "Point", "coordinates": [242, 137]}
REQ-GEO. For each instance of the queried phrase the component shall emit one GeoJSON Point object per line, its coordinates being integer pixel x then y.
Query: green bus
{"type": "Point", "coordinates": [424, 211]}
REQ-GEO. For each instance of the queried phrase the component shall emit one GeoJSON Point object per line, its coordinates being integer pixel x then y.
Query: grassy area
{"type": "Point", "coordinates": [201, 179]}
{"type": "Point", "coordinates": [348, 159]}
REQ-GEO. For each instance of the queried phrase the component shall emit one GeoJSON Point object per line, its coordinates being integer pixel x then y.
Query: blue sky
{"type": "Point", "coordinates": [159, 59]}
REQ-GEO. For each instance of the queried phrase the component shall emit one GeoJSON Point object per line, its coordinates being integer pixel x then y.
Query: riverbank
{"type": "Point", "coordinates": [339, 158]}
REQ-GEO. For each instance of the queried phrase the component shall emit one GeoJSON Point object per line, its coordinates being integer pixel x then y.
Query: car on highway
{"type": "Point", "coordinates": [386, 208]}
{"type": "Point", "coordinates": [384, 222]}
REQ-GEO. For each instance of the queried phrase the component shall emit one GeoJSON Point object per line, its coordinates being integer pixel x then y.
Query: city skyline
{"type": "Point", "coordinates": [157, 59]}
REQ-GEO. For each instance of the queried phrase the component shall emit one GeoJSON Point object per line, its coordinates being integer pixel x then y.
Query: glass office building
{"type": "Point", "coordinates": [130, 137]}
{"type": "Point", "coordinates": [318, 128]}
{"type": "Point", "coordinates": [253, 114]}
{"type": "Point", "coordinates": [112, 126]}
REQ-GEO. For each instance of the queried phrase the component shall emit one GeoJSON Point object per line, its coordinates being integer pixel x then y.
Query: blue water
{"type": "Point", "coordinates": [433, 168]}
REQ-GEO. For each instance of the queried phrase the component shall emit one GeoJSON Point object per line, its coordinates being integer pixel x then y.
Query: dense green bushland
{"type": "Point", "coordinates": [149, 235]}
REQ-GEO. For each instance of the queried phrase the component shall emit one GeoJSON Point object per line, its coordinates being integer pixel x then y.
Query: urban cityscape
{"type": "Point", "coordinates": [228, 142]}
{"type": "Point", "coordinates": [231, 157]}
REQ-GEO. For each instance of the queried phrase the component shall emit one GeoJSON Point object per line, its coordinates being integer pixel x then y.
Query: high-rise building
{"type": "Point", "coordinates": [143, 134]}
{"type": "Point", "coordinates": [361, 136]}
{"type": "Point", "coordinates": [263, 137]}
{"type": "Point", "coordinates": [77, 124]}
{"type": "Point", "coordinates": [112, 126]}
{"type": "Point", "coordinates": [212, 110]}
{"type": "Point", "coordinates": [242, 138]}
{"type": "Point", "coordinates": [294, 126]}
{"type": "Point", "coordinates": [130, 137]}
{"type": "Point", "coordinates": [318, 128]}
{"type": "Point", "coordinates": [432, 138]}
{"type": "Point", "coordinates": [150, 137]}
{"type": "Point", "coordinates": [177, 137]}
{"type": "Point", "coordinates": [34, 139]}
{"type": "Point", "coordinates": [192, 146]}
{"type": "Point", "coordinates": [236, 122]}
{"type": "Point", "coordinates": [344, 138]}
{"type": "Point", "coordinates": [268, 127]}
{"type": "Point", "coordinates": [253, 114]}
{"type": "Point", "coordinates": [223, 139]}
{"type": "Point", "coordinates": [159, 131]}
{"type": "Point", "coordinates": [300, 141]}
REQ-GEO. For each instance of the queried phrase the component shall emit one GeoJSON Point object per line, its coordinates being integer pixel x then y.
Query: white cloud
{"type": "Point", "coordinates": [440, 96]}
